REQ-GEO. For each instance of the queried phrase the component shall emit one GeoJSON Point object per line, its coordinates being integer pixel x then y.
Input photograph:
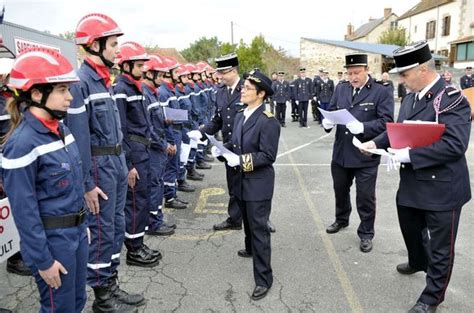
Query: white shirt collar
{"type": "Point", "coordinates": [234, 85]}
{"type": "Point", "coordinates": [423, 91]}
{"type": "Point", "coordinates": [248, 112]}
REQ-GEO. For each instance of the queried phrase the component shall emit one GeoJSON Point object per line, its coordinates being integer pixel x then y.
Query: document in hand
{"type": "Point", "coordinates": [341, 117]}
{"type": "Point", "coordinates": [175, 114]}
{"type": "Point", "coordinates": [413, 134]}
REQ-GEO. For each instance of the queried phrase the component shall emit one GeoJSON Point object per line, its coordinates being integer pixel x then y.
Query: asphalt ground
{"type": "Point", "coordinates": [313, 271]}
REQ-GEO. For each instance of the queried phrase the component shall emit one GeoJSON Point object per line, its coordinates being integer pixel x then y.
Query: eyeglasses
{"type": "Point", "coordinates": [247, 88]}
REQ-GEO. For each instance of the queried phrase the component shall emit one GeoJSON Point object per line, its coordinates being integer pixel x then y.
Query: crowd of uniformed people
{"type": "Point", "coordinates": [89, 161]}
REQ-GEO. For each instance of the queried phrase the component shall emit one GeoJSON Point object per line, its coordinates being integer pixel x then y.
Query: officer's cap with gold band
{"type": "Point", "coordinates": [226, 62]}
{"type": "Point", "coordinates": [410, 56]}
{"type": "Point", "coordinates": [259, 79]}
{"type": "Point", "coordinates": [356, 59]}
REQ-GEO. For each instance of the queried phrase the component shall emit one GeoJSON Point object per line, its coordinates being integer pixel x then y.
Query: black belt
{"type": "Point", "coordinates": [106, 150]}
{"type": "Point", "coordinates": [140, 139]}
{"type": "Point", "coordinates": [64, 221]}
{"type": "Point", "coordinates": [177, 126]}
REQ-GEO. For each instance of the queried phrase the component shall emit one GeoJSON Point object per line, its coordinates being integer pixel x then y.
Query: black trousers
{"type": "Point", "coordinates": [235, 214]}
{"type": "Point", "coordinates": [281, 112]}
{"type": "Point", "coordinates": [257, 239]}
{"type": "Point", "coordinates": [430, 237]}
{"type": "Point", "coordinates": [365, 179]}
{"type": "Point", "coordinates": [303, 112]}
{"type": "Point", "coordinates": [294, 110]}
{"type": "Point", "coordinates": [315, 112]}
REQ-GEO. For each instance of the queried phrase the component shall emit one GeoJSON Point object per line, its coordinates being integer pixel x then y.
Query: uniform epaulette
{"type": "Point", "coordinates": [381, 82]}
{"type": "Point", "coordinates": [451, 91]}
{"type": "Point", "coordinates": [268, 114]}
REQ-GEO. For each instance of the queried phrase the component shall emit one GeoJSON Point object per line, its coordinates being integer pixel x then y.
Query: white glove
{"type": "Point", "coordinates": [327, 124]}
{"type": "Point", "coordinates": [288, 102]}
{"type": "Point", "coordinates": [216, 152]}
{"type": "Point", "coordinates": [194, 134]}
{"type": "Point", "coordinates": [297, 102]}
{"type": "Point", "coordinates": [355, 127]}
{"type": "Point", "coordinates": [391, 162]}
{"type": "Point", "coordinates": [401, 155]}
{"type": "Point", "coordinates": [232, 159]}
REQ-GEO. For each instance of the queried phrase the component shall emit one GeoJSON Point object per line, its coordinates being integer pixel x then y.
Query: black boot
{"type": "Point", "coordinates": [185, 187]}
{"type": "Point", "coordinates": [194, 175]}
{"type": "Point", "coordinates": [141, 258]}
{"type": "Point", "coordinates": [15, 265]}
{"type": "Point", "coordinates": [105, 302]}
{"type": "Point", "coordinates": [203, 165]}
{"type": "Point", "coordinates": [123, 296]}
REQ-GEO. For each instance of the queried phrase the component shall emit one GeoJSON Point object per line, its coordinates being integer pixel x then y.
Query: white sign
{"type": "Point", "coordinates": [23, 44]}
{"type": "Point", "coordinates": [9, 238]}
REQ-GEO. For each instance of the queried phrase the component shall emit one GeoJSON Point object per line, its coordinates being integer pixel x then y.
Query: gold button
{"type": "Point", "coordinates": [433, 176]}
{"type": "Point", "coordinates": [403, 165]}
{"type": "Point", "coordinates": [346, 133]}
{"type": "Point", "coordinates": [235, 146]}
{"type": "Point", "coordinates": [228, 125]}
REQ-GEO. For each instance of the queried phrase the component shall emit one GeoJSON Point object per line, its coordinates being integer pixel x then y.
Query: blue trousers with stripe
{"type": "Point", "coordinates": [158, 160]}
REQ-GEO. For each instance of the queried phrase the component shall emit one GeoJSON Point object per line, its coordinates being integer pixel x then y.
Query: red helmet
{"type": "Point", "coordinates": [171, 63]}
{"type": "Point", "coordinates": [182, 70]}
{"type": "Point", "coordinates": [203, 66]}
{"type": "Point", "coordinates": [156, 63]}
{"type": "Point", "coordinates": [132, 51]}
{"type": "Point", "coordinates": [40, 66]}
{"type": "Point", "coordinates": [191, 67]}
{"type": "Point", "coordinates": [94, 26]}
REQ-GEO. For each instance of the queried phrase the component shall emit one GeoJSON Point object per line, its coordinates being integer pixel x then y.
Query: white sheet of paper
{"type": "Point", "coordinates": [356, 142]}
{"type": "Point", "coordinates": [175, 114]}
{"type": "Point", "coordinates": [220, 146]}
{"type": "Point", "coordinates": [341, 117]}
{"type": "Point", "coordinates": [185, 150]}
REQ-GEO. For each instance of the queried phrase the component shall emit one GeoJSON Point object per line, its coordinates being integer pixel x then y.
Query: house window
{"type": "Point", "coordinates": [446, 25]}
{"type": "Point", "coordinates": [393, 25]}
{"type": "Point", "coordinates": [465, 51]}
{"type": "Point", "coordinates": [430, 29]}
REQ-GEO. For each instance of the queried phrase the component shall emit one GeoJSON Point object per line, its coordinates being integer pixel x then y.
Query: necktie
{"type": "Point", "coordinates": [229, 93]}
{"type": "Point", "coordinates": [356, 91]}
{"type": "Point", "coordinates": [417, 95]}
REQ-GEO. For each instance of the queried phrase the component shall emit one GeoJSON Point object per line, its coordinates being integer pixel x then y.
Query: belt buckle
{"type": "Point", "coordinates": [80, 217]}
{"type": "Point", "coordinates": [117, 149]}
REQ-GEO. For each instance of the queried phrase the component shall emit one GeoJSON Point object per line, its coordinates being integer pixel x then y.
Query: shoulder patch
{"type": "Point", "coordinates": [451, 91]}
{"type": "Point", "coordinates": [268, 114]}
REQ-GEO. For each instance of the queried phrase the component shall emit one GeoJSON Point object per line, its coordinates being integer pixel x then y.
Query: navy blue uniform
{"type": "Point", "coordinates": [256, 140]}
{"type": "Point", "coordinates": [93, 119]}
{"type": "Point", "coordinates": [373, 106]}
{"type": "Point", "coordinates": [323, 92]}
{"type": "Point", "coordinates": [43, 179]}
{"type": "Point", "coordinates": [135, 122]}
{"type": "Point", "coordinates": [294, 106]}
{"type": "Point", "coordinates": [466, 81]}
{"type": "Point", "coordinates": [433, 188]}
{"type": "Point", "coordinates": [161, 136]}
{"type": "Point", "coordinates": [183, 93]}
{"type": "Point", "coordinates": [223, 120]}
{"type": "Point", "coordinates": [303, 93]}
{"type": "Point", "coordinates": [281, 95]}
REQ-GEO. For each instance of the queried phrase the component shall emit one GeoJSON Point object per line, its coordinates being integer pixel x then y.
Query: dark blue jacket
{"type": "Point", "coordinates": [256, 141]}
{"type": "Point", "coordinates": [324, 90]}
{"type": "Point", "coordinates": [437, 177]}
{"type": "Point", "coordinates": [134, 120]}
{"type": "Point", "coordinates": [466, 81]}
{"type": "Point", "coordinates": [373, 106]}
{"type": "Point", "coordinates": [226, 109]}
{"type": "Point", "coordinates": [281, 91]}
{"type": "Point", "coordinates": [159, 131]}
{"type": "Point", "coordinates": [42, 176]}
{"type": "Point", "coordinates": [93, 118]}
{"type": "Point", "coordinates": [303, 89]}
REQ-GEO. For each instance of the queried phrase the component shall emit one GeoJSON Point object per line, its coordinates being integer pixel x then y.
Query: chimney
{"type": "Point", "coordinates": [350, 30]}
{"type": "Point", "coordinates": [387, 12]}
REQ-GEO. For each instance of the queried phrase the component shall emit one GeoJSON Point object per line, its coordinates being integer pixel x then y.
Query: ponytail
{"type": "Point", "coordinates": [13, 108]}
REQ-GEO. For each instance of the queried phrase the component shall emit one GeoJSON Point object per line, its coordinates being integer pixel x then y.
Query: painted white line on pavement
{"type": "Point", "coordinates": [302, 146]}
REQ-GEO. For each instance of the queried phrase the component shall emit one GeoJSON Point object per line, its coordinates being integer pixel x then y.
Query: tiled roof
{"type": "Point", "coordinates": [423, 6]}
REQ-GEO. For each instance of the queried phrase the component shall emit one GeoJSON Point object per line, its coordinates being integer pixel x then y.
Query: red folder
{"type": "Point", "coordinates": [413, 135]}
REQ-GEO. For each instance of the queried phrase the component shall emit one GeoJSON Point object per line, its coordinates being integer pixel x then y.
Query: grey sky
{"type": "Point", "coordinates": [178, 23]}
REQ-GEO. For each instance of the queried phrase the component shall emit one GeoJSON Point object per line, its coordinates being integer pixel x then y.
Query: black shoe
{"type": "Point", "coordinates": [15, 265]}
{"type": "Point", "coordinates": [335, 227]}
{"type": "Point", "coordinates": [105, 302]}
{"type": "Point", "coordinates": [124, 297]}
{"type": "Point", "coordinates": [283, 125]}
{"type": "Point", "coordinates": [208, 158]}
{"type": "Point", "coordinates": [201, 165]}
{"type": "Point", "coordinates": [194, 175]}
{"type": "Point", "coordinates": [421, 307]}
{"type": "Point", "coordinates": [156, 253]}
{"type": "Point", "coordinates": [182, 201]}
{"type": "Point", "coordinates": [185, 187]}
{"type": "Point", "coordinates": [366, 245]}
{"type": "Point", "coordinates": [406, 269]}
{"type": "Point", "coordinates": [271, 227]}
{"type": "Point", "coordinates": [163, 230]}
{"type": "Point", "coordinates": [141, 258]}
{"type": "Point", "coordinates": [225, 225]}
{"type": "Point", "coordinates": [259, 293]}
{"type": "Point", "coordinates": [175, 204]}
{"type": "Point", "coordinates": [169, 225]}
{"type": "Point", "coordinates": [244, 254]}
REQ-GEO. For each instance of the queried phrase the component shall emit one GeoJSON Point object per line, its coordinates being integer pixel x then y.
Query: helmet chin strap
{"type": "Point", "coordinates": [100, 54]}
{"type": "Point", "coordinates": [153, 78]}
{"type": "Point", "coordinates": [131, 64]}
{"type": "Point", "coordinates": [46, 91]}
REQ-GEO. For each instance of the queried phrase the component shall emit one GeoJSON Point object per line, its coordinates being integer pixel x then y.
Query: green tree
{"type": "Point", "coordinates": [394, 36]}
{"type": "Point", "coordinates": [203, 49]}
{"type": "Point", "coordinates": [69, 35]}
